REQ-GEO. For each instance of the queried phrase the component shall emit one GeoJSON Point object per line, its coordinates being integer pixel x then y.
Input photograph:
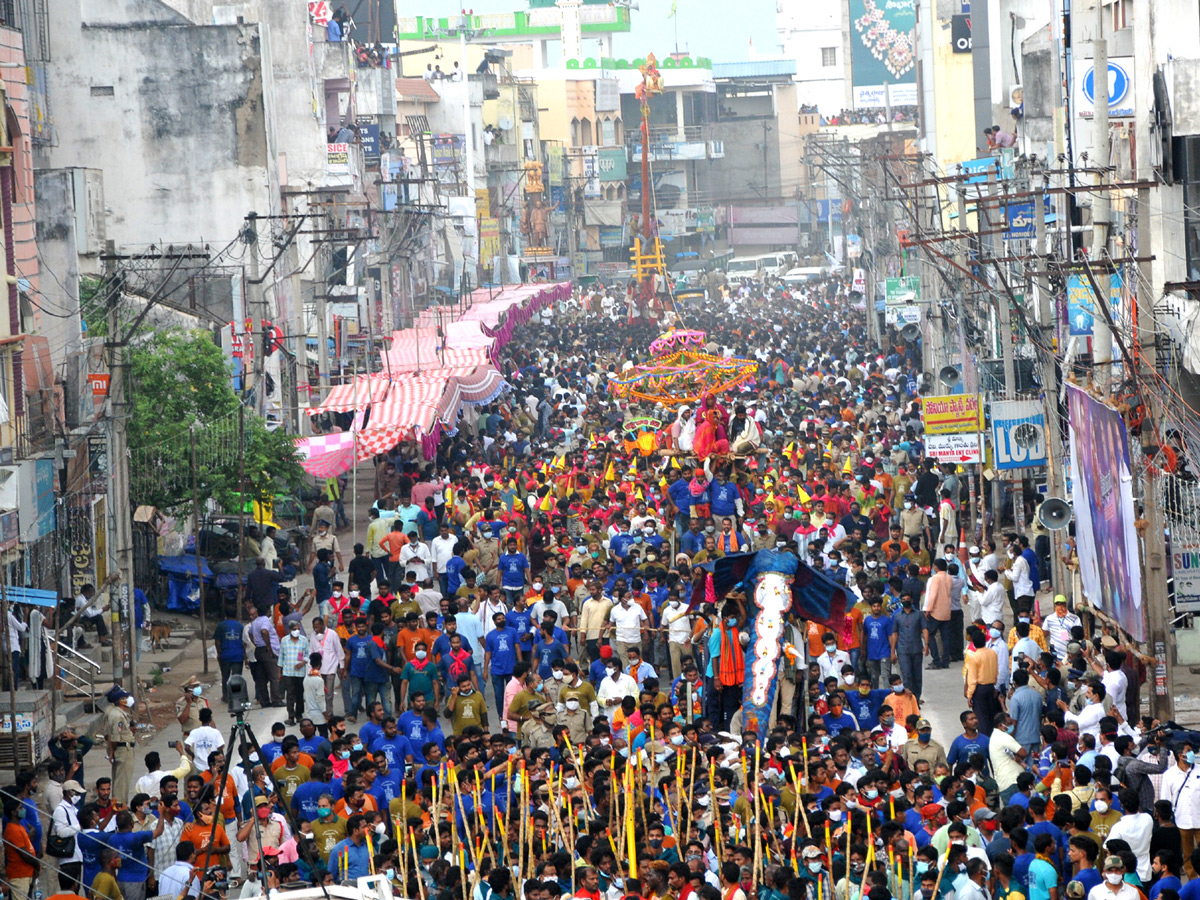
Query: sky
{"type": "Point", "coordinates": [706, 27]}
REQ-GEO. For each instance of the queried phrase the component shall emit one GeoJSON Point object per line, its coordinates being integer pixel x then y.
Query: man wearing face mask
{"type": "Point", "coordinates": [575, 718]}
{"type": "Point", "coordinates": [832, 660]}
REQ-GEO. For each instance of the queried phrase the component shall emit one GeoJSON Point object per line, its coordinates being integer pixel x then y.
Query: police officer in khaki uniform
{"type": "Point", "coordinates": [187, 707]}
{"type": "Point", "coordinates": [118, 734]}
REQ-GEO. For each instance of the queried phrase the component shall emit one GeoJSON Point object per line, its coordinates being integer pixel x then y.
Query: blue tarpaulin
{"type": "Point", "coordinates": [182, 593]}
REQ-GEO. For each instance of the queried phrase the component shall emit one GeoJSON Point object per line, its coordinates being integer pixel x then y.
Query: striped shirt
{"type": "Point", "coordinates": [293, 657]}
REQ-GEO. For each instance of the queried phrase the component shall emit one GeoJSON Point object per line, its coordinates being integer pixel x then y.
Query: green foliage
{"type": "Point", "coordinates": [180, 378]}
{"type": "Point", "coordinates": [93, 311]}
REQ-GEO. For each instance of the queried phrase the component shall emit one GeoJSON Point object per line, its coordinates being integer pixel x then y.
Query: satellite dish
{"type": "Point", "coordinates": [1026, 435]}
{"type": "Point", "coordinates": [506, 124]}
{"type": "Point", "coordinates": [949, 376]}
{"type": "Point", "coordinates": [911, 331]}
{"type": "Point", "coordinates": [1055, 513]}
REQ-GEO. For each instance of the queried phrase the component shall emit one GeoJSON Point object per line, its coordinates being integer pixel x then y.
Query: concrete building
{"type": "Point", "coordinates": [815, 35]}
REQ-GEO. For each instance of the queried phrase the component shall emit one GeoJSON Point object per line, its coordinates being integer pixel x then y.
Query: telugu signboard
{"type": "Point", "coordinates": [952, 414]}
{"type": "Point", "coordinates": [1185, 567]}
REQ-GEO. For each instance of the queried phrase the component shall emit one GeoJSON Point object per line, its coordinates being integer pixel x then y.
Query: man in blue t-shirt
{"type": "Point", "coordinates": [392, 744]}
{"type": "Point", "coordinates": [969, 742]}
{"type": "Point", "coordinates": [513, 566]}
{"type": "Point", "coordinates": [500, 653]}
{"type": "Point", "coordinates": [134, 870]}
{"type": "Point", "coordinates": [880, 639]}
{"type": "Point", "coordinates": [681, 497]}
{"type": "Point", "coordinates": [520, 620]}
{"type": "Point", "coordinates": [549, 650]}
{"type": "Point", "coordinates": [837, 719]}
{"type": "Point", "coordinates": [231, 655]}
{"type": "Point", "coordinates": [864, 703]}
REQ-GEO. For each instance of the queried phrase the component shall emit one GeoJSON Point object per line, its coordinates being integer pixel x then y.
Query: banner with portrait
{"type": "Point", "coordinates": [1102, 488]}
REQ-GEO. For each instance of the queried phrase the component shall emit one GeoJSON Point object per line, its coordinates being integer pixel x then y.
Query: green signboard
{"type": "Point", "coordinates": [610, 164]}
{"type": "Point", "coordinates": [902, 291]}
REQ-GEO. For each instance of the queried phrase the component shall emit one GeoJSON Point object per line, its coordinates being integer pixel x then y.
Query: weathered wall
{"type": "Point", "coordinates": [171, 112]}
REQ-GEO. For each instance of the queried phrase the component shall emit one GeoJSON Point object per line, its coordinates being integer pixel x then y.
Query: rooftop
{"type": "Point", "coordinates": [757, 68]}
{"type": "Point", "coordinates": [416, 90]}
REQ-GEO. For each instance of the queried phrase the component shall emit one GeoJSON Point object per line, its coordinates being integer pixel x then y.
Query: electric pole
{"type": "Point", "coordinates": [256, 312]}
{"type": "Point", "coordinates": [1102, 339]}
{"type": "Point", "coordinates": [118, 499]}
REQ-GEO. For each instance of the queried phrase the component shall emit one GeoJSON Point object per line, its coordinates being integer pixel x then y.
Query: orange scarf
{"type": "Point", "coordinates": [732, 668]}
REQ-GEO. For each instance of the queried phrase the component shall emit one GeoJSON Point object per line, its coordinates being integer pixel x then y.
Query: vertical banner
{"type": "Point", "coordinates": [1104, 511]}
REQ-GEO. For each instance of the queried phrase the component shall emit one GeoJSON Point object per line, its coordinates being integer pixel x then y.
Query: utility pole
{"type": "Point", "coordinates": [196, 531]}
{"type": "Point", "coordinates": [256, 312]}
{"type": "Point", "coordinates": [1154, 570]}
{"type": "Point", "coordinates": [118, 500]}
{"type": "Point", "coordinates": [321, 290]}
{"type": "Point", "coordinates": [1050, 387]}
{"type": "Point", "coordinates": [1102, 341]}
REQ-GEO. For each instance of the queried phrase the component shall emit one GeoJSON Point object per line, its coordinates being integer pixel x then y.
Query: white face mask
{"type": "Point", "coordinates": [537, 585]}
{"type": "Point", "coordinates": [558, 674]}
{"type": "Point", "coordinates": [129, 701]}
{"type": "Point", "coordinates": [1114, 877]}
{"type": "Point", "coordinates": [1101, 807]}
{"type": "Point", "coordinates": [572, 704]}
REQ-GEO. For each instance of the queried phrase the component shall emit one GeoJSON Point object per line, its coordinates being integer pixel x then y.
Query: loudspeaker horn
{"type": "Point", "coordinates": [1026, 435]}
{"type": "Point", "coordinates": [949, 376]}
{"type": "Point", "coordinates": [1055, 513]}
{"type": "Point", "coordinates": [911, 331]}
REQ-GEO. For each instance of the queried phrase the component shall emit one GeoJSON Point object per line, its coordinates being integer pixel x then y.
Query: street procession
{"type": "Point", "coordinates": [753, 471]}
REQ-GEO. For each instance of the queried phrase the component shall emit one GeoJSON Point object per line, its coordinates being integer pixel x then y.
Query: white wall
{"type": "Point", "coordinates": [803, 33]}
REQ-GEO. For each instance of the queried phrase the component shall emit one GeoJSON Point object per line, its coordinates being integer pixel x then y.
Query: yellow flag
{"type": "Point", "coordinates": [846, 470]}
{"type": "Point", "coordinates": [546, 505]}
{"type": "Point", "coordinates": [675, 463]}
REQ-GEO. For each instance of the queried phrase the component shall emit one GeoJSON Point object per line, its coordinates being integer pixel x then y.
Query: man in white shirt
{"type": "Point", "coordinates": [204, 740]}
{"type": "Point", "coordinates": [149, 783]}
{"type": "Point", "coordinates": [1006, 756]}
{"type": "Point", "coordinates": [442, 548]}
{"type": "Point", "coordinates": [1115, 682]}
{"type": "Point", "coordinates": [832, 660]}
{"type": "Point", "coordinates": [679, 632]}
{"type": "Point", "coordinates": [1018, 576]}
{"type": "Point", "coordinates": [1058, 626]}
{"type": "Point", "coordinates": [991, 607]}
{"type": "Point", "coordinates": [614, 688]}
{"type": "Point", "coordinates": [1135, 828]}
{"type": "Point", "coordinates": [178, 875]}
{"type": "Point", "coordinates": [1114, 886]}
{"type": "Point", "coordinates": [629, 620]}
{"type": "Point", "coordinates": [1180, 787]}
{"type": "Point", "coordinates": [1088, 719]}
{"type": "Point", "coordinates": [326, 642]}
{"type": "Point", "coordinates": [416, 557]}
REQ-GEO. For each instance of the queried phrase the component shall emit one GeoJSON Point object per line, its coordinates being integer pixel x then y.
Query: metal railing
{"type": "Point", "coordinates": [77, 673]}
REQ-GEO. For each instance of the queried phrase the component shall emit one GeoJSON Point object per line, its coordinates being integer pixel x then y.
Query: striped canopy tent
{"type": "Point", "coordinates": [408, 408]}
{"type": "Point", "coordinates": [499, 312]}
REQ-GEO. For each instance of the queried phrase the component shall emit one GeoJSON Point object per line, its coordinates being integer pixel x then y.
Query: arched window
{"type": "Point", "coordinates": [574, 132]}
{"type": "Point", "coordinates": [585, 132]}
{"type": "Point", "coordinates": [608, 132]}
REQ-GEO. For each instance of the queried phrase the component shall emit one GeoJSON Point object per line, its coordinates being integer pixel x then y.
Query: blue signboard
{"type": "Point", "coordinates": [1020, 221]}
{"type": "Point", "coordinates": [43, 487]}
{"type": "Point", "coordinates": [979, 169]}
{"type": "Point", "coordinates": [1018, 433]}
{"type": "Point", "coordinates": [1080, 307]}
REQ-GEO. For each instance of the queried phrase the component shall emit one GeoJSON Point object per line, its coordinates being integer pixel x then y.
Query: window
{"type": "Point", "coordinates": [585, 132]}
{"type": "Point", "coordinates": [828, 56]}
{"type": "Point", "coordinates": [608, 132]}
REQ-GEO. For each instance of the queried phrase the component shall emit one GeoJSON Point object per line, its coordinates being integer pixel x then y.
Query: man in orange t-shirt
{"type": "Point", "coordinates": [21, 863]}
{"type": "Point", "coordinates": [393, 542]}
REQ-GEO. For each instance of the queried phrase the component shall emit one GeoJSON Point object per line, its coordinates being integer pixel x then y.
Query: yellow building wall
{"type": "Point", "coordinates": [954, 102]}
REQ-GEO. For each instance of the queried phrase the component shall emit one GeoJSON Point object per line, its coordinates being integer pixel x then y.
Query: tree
{"type": "Point", "coordinates": [179, 379]}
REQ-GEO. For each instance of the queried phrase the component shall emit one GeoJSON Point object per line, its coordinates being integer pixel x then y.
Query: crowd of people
{"type": "Point", "coordinates": [522, 683]}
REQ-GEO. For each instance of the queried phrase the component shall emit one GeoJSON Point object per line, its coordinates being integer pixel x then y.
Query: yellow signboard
{"type": "Point", "coordinates": [952, 414]}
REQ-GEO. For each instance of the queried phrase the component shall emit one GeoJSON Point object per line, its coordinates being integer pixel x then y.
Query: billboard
{"type": "Point", "coordinates": [1018, 433]}
{"type": "Point", "coordinates": [1081, 314]}
{"type": "Point", "coordinates": [881, 52]}
{"type": "Point", "coordinates": [952, 414]}
{"type": "Point", "coordinates": [1104, 511]}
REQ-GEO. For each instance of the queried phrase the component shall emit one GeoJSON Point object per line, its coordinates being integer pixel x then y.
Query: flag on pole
{"type": "Point", "coordinates": [671, 14]}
